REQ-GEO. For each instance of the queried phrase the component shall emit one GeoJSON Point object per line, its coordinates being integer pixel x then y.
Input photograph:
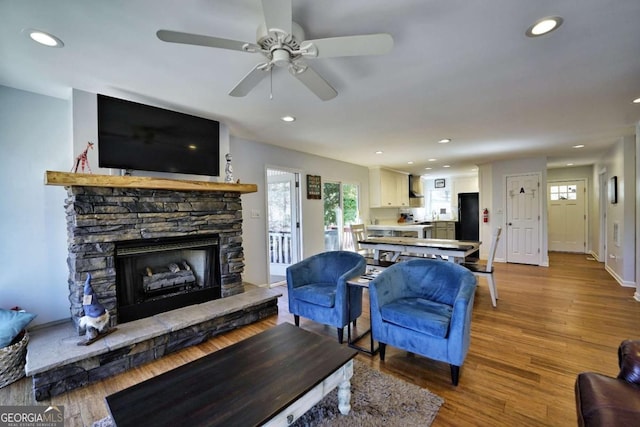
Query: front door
{"type": "Point", "coordinates": [523, 219]}
{"type": "Point", "coordinates": [567, 216]}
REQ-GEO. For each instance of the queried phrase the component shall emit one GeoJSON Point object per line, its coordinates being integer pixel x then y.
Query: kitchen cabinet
{"type": "Point", "coordinates": [444, 230]}
{"type": "Point", "coordinates": [388, 188]}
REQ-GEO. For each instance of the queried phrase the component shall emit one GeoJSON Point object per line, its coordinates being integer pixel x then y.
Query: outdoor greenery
{"type": "Point", "coordinates": [331, 197]}
{"type": "Point", "coordinates": [279, 207]}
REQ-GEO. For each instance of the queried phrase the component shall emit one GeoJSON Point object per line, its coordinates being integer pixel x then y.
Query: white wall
{"type": "Point", "coordinates": [250, 160]}
{"type": "Point", "coordinates": [620, 260]}
{"type": "Point", "coordinates": [35, 136]}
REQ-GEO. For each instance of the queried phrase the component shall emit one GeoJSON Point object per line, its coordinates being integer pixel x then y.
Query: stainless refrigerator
{"type": "Point", "coordinates": [468, 226]}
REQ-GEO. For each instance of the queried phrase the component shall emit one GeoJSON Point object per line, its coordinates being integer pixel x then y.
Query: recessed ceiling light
{"type": "Point", "coordinates": [288, 119]}
{"type": "Point", "coordinates": [569, 164]}
{"type": "Point", "coordinates": [43, 38]}
{"type": "Point", "coordinates": [544, 26]}
{"type": "Point", "coordinates": [636, 101]}
{"type": "Point", "coordinates": [474, 170]}
{"type": "Point", "coordinates": [409, 162]}
{"type": "Point", "coordinates": [444, 140]}
{"type": "Point", "coordinates": [446, 166]}
{"type": "Point", "coordinates": [379, 152]}
{"type": "Point", "coordinates": [193, 147]}
{"type": "Point", "coordinates": [432, 160]}
{"type": "Point", "coordinates": [579, 146]}
{"type": "Point", "coordinates": [428, 169]}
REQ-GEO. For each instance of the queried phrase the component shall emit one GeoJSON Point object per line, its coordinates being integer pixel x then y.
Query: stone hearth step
{"type": "Point", "coordinates": [57, 364]}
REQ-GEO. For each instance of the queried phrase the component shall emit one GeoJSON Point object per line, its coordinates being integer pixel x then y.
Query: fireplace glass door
{"type": "Point", "coordinates": [153, 276]}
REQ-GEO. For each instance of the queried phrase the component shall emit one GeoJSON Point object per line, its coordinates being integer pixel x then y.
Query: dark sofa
{"type": "Point", "coordinates": [605, 401]}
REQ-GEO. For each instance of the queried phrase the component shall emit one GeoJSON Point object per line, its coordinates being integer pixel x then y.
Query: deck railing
{"type": "Point", "coordinates": [280, 247]}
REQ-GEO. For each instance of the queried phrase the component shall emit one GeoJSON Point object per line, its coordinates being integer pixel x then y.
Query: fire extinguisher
{"type": "Point", "coordinates": [485, 215]}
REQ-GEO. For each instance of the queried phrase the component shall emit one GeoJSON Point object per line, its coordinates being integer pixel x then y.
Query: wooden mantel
{"type": "Point", "coordinates": [67, 179]}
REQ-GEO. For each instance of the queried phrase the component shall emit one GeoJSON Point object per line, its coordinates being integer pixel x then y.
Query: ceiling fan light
{"type": "Point", "coordinates": [544, 26]}
{"type": "Point", "coordinates": [281, 57]}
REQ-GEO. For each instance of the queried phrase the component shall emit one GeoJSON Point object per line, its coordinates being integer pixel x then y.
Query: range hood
{"type": "Point", "coordinates": [415, 187]}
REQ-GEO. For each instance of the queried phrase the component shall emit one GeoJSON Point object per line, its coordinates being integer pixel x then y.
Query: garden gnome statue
{"type": "Point", "coordinates": [228, 169]}
{"type": "Point", "coordinates": [96, 317]}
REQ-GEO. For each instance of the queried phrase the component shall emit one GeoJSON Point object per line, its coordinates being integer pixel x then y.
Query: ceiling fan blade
{"type": "Point", "coordinates": [369, 44]}
{"type": "Point", "coordinates": [250, 81]}
{"type": "Point", "coordinates": [200, 40]}
{"type": "Point", "coordinates": [277, 15]}
{"type": "Point", "coordinates": [315, 83]}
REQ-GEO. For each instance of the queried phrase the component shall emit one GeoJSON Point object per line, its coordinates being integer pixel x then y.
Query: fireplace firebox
{"type": "Point", "coordinates": [162, 274]}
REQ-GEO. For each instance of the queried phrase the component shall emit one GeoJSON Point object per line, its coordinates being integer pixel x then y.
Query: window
{"type": "Point", "coordinates": [563, 192]}
{"type": "Point", "coordinates": [438, 202]}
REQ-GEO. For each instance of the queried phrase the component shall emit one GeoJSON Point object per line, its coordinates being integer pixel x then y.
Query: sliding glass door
{"type": "Point", "coordinates": [341, 209]}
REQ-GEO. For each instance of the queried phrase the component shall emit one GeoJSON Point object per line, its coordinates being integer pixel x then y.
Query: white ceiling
{"type": "Point", "coordinates": [459, 69]}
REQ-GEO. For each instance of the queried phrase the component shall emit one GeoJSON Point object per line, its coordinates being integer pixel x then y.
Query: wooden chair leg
{"type": "Point", "coordinates": [455, 374]}
{"type": "Point", "coordinates": [492, 289]}
{"type": "Point", "coordinates": [383, 347]}
{"type": "Point", "coordinates": [296, 319]}
{"type": "Point", "coordinates": [495, 288]}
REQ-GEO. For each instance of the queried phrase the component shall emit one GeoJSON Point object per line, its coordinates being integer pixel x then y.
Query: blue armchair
{"type": "Point", "coordinates": [424, 307]}
{"type": "Point", "coordinates": [317, 288]}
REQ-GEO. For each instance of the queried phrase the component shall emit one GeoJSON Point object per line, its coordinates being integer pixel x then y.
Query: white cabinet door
{"type": "Point", "coordinates": [388, 188]}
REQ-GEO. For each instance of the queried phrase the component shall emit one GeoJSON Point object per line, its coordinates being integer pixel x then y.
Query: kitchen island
{"type": "Point", "coordinates": [422, 231]}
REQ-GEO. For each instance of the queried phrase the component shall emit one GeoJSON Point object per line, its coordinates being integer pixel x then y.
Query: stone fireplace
{"type": "Point", "coordinates": [152, 244]}
{"type": "Point", "coordinates": [130, 238]}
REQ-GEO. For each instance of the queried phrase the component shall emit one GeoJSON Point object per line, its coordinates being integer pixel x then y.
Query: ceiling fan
{"type": "Point", "coordinates": [283, 44]}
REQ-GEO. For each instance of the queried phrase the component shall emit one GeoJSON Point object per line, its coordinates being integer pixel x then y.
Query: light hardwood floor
{"type": "Point", "coordinates": [550, 324]}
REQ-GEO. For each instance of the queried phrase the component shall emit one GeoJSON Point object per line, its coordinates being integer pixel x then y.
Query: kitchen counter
{"type": "Point", "coordinates": [423, 230]}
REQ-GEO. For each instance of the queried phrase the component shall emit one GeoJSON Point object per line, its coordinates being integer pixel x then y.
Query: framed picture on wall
{"type": "Point", "coordinates": [613, 190]}
{"type": "Point", "coordinates": [439, 183]}
{"type": "Point", "coordinates": [314, 187]}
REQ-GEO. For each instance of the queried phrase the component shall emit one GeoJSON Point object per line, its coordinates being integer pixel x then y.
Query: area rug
{"type": "Point", "coordinates": [377, 399]}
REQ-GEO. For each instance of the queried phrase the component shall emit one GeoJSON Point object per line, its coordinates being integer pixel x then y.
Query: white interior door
{"type": "Point", "coordinates": [283, 207]}
{"type": "Point", "coordinates": [567, 215]}
{"type": "Point", "coordinates": [523, 219]}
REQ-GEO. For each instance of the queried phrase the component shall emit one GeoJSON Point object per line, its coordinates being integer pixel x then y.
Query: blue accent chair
{"type": "Point", "coordinates": [424, 307]}
{"type": "Point", "coordinates": [317, 288]}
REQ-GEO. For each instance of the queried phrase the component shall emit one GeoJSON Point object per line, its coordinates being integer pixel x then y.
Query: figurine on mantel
{"type": "Point", "coordinates": [96, 317]}
{"type": "Point", "coordinates": [83, 160]}
{"type": "Point", "coordinates": [228, 169]}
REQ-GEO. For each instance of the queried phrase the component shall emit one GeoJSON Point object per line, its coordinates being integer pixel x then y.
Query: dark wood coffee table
{"type": "Point", "coordinates": [271, 378]}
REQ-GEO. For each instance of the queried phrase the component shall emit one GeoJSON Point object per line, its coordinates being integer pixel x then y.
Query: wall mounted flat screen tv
{"type": "Point", "coordinates": [141, 137]}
